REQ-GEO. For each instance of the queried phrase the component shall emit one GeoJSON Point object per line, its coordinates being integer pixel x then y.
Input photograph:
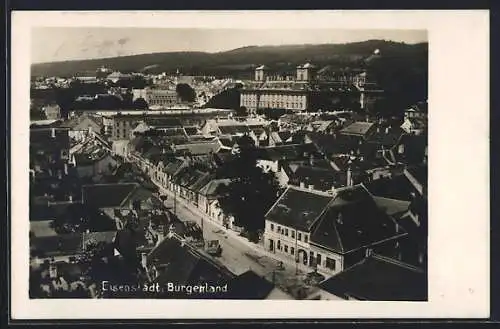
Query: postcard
{"type": "Point", "coordinates": [292, 164]}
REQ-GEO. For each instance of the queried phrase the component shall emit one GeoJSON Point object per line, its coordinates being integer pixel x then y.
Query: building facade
{"type": "Point", "coordinates": [157, 97]}
{"type": "Point", "coordinates": [52, 112]}
{"type": "Point", "coordinates": [278, 92]}
{"type": "Point", "coordinates": [254, 99]}
{"type": "Point", "coordinates": [122, 126]}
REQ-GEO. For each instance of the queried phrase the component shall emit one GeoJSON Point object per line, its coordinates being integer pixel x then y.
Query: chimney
{"type": "Point", "coordinates": [53, 271]}
{"type": "Point", "coordinates": [311, 160]}
{"type": "Point", "coordinates": [70, 198]}
{"type": "Point", "coordinates": [302, 184]}
{"type": "Point", "coordinates": [386, 130]}
{"type": "Point", "coordinates": [368, 252]}
{"type": "Point", "coordinates": [65, 168]}
{"type": "Point", "coordinates": [310, 187]}
{"type": "Point", "coordinates": [349, 176]}
{"type": "Point", "coordinates": [144, 260]}
{"type": "Point", "coordinates": [53, 132]}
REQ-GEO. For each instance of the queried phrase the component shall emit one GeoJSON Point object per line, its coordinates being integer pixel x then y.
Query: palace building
{"type": "Point", "coordinates": [305, 89]}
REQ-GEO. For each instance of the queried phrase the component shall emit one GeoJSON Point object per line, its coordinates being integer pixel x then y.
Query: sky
{"type": "Point", "coordinates": [50, 44]}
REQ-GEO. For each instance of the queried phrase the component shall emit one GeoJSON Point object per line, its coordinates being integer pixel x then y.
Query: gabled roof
{"type": "Point", "coordinates": [82, 123]}
{"type": "Point", "coordinates": [397, 187]}
{"type": "Point", "coordinates": [227, 141]}
{"type": "Point", "coordinates": [42, 228]}
{"type": "Point", "coordinates": [298, 208]}
{"type": "Point", "coordinates": [234, 130]}
{"type": "Point", "coordinates": [387, 140]}
{"type": "Point", "coordinates": [200, 183]}
{"type": "Point", "coordinates": [419, 172]}
{"type": "Point", "coordinates": [180, 264]}
{"type": "Point", "coordinates": [248, 285]}
{"type": "Point", "coordinates": [89, 158]}
{"type": "Point", "coordinates": [64, 244]}
{"type": "Point", "coordinates": [288, 152]}
{"type": "Point", "coordinates": [322, 179]}
{"type": "Point", "coordinates": [284, 135]}
{"type": "Point", "coordinates": [333, 144]}
{"type": "Point", "coordinates": [173, 166]}
{"type": "Point", "coordinates": [188, 177]}
{"type": "Point", "coordinates": [107, 195]}
{"type": "Point", "coordinates": [379, 279]}
{"type": "Point", "coordinates": [43, 212]}
{"type": "Point", "coordinates": [392, 207]}
{"type": "Point", "coordinates": [210, 189]}
{"type": "Point", "coordinates": [191, 131]}
{"type": "Point", "coordinates": [163, 122]}
{"type": "Point", "coordinates": [41, 139]}
{"type": "Point", "coordinates": [414, 148]}
{"type": "Point", "coordinates": [358, 128]}
{"type": "Point", "coordinates": [199, 148]}
{"type": "Point", "coordinates": [352, 221]}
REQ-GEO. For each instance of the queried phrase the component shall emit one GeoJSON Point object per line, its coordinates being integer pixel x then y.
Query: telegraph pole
{"type": "Point", "coordinates": [296, 255]}
{"type": "Point", "coordinates": [202, 231]}
{"type": "Point", "coordinates": [175, 201]}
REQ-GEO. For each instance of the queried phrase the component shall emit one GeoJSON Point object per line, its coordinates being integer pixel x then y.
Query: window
{"type": "Point", "coordinates": [279, 245]}
{"type": "Point", "coordinates": [286, 248]}
{"type": "Point", "coordinates": [330, 263]}
{"type": "Point", "coordinates": [292, 251]}
{"type": "Point", "coordinates": [293, 234]}
{"type": "Point", "coordinates": [272, 227]}
{"type": "Point", "coordinates": [279, 229]}
{"type": "Point", "coordinates": [299, 236]}
{"type": "Point", "coordinates": [305, 238]}
{"type": "Point", "coordinates": [286, 232]}
{"type": "Point", "coordinates": [318, 259]}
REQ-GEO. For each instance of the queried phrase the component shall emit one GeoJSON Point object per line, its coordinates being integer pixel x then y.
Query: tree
{"type": "Point", "coordinates": [185, 92]}
{"type": "Point", "coordinates": [36, 112]}
{"type": "Point", "coordinates": [92, 260]}
{"type": "Point", "coordinates": [79, 218]}
{"type": "Point", "coordinates": [252, 192]}
{"type": "Point", "coordinates": [274, 114]}
{"type": "Point", "coordinates": [242, 111]}
{"type": "Point", "coordinates": [140, 104]}
{"type": "Point", "coordinates": [71, 221]}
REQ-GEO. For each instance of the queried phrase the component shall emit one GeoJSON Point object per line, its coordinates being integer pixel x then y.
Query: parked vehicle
{"type": "Point", "coordinates": [214, 248]}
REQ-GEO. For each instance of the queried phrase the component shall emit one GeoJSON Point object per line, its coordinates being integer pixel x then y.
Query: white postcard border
{"type": "Point", "coordinates": [458, 163]}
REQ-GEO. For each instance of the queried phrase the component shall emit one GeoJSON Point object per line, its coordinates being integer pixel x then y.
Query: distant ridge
{"type": "Point", "coordinates": [239, 59]}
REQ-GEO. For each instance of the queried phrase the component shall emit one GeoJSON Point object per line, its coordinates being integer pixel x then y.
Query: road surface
{"type": "Point", "coordinates": [238, 255]}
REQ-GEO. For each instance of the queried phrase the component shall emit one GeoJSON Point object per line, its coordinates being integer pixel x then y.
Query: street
{"type": "Point", "coordinates": [238, 254]}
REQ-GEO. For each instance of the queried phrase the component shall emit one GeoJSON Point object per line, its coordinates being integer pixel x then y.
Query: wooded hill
{"type": "Point", "coordinates": [244, 60]}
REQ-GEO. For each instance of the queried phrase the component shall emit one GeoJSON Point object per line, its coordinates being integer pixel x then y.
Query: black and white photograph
{"type": "Point", "coordinates": [206, 163]}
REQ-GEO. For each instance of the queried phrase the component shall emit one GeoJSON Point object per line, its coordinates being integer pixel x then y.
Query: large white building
{"type": "Point", "coordinates": [326, 232]}
{"type": "Point", "coordinates": [307, 89]}
{"type": "Point", "coordinates": [278, 91]}
{"type": "Point", "coordinates": [157, 97]}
